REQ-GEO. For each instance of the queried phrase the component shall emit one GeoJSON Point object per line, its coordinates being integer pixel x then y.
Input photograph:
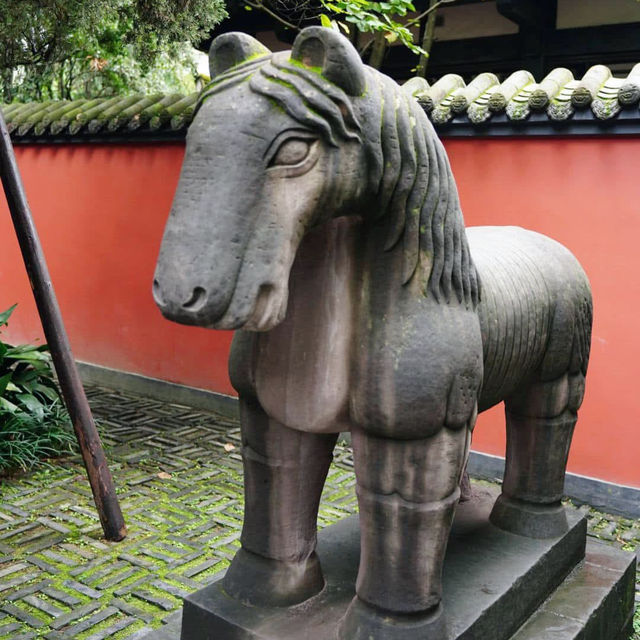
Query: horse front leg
{"type": "Point", "coordinates": [407, 493]}
{"type": "Point", "coordinates": [284, 473]}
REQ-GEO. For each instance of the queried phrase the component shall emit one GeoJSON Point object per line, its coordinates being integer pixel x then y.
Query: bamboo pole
{"type": "Point", "coordinates": [104, 493]}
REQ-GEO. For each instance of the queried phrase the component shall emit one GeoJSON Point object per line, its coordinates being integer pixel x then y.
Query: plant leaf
{"type": "Point", "coordinates": [9, 406]}
{"type": "Point", "coordinates": [5, 315]}
{"type": "Point", "coordinates": [32, 403]}
{"type": "Point", "coordinates": [26, 356]}
{"type": "Point", "coordinates": [48, 392]}
{"type": "Point", "coordinates": [23, 376]}
{"type": "Point", "coordinates": [325, 21]}
{"type": "Point", "coordinates": [23, 348]}
{"type": "Point", "coordinates": [5, 380]}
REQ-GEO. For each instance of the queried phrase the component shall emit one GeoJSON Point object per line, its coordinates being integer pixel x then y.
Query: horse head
{"type": "Point", "coordinates": [272, 151]}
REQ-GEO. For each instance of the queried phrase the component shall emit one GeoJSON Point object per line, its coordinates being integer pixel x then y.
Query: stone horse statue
{"type": "Point", "coordinates": [317, 214]}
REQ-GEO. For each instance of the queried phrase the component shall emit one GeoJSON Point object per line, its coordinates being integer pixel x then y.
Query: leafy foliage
{"type": "Point", "coordinates": [359, 15]}
{"type": "Point", "coordinates": [67, 49]}
{"type": "Point", "coordinates": [374, 17]}
{"type": "Point", "coordinates": [388, 22]}
{"type": "Point", "coordinates": [33, 422]}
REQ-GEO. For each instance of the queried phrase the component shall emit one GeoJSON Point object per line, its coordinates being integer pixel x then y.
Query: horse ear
{"type": "Point", "coordinates": [232, 49]}
{"type": "Point", "coordinates": [334, 55]}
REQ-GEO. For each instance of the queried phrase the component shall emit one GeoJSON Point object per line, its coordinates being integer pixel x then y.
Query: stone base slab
{"type": "Point", "coordinates": [496, 584]}
{"type": "Point", "coordinates": [595, 602]}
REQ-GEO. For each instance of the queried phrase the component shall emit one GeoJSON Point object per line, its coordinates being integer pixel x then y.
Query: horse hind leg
{"type": "Point", "coordinates": [284, 473]}
{"type": "Point", "coordinates": [540, 423]}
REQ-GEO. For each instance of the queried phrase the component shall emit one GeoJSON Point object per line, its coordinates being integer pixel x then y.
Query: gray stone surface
{"type": "Point", "coordinates": [594, 603]}
{"type": "Point", "coordinates": [493, 581]}
{"type": "Point", "coordinates": [317, 213]}
{"type": "Point", "coordinates": [168, 392]}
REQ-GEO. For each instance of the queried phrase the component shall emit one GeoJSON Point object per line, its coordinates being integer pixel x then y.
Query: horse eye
{"type": "Point", "coordinates": [293, 151]}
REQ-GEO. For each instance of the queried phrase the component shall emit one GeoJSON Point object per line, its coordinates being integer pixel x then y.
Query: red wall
{"type": "Point", "coordinates": [100, 211]}
{"type": "Point", "coordinates": [585, 193]}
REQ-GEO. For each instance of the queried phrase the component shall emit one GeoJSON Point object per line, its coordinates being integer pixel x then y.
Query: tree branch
{"type": "Point", "coordinates": [367, 46]}
{"type": "Point", "coordinates": [427, 40]}
{"type": "Point", "coordinates": [425, 13]}
{"type": "Point", "coordinates": [261, 7]}
{"type": "Point", "coordinates": [379, 48]}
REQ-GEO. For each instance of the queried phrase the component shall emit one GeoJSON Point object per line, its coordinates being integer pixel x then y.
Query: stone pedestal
{"type": "Point", "coordinates": [497, 586]}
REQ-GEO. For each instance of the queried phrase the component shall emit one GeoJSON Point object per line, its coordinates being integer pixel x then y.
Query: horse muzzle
{"type": "Point", "coordinates": [198, 307]}
{"type": "Point", "coordinates": [193, 306]}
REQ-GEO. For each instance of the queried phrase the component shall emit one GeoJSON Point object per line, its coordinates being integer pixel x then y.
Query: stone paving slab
{"type": "Point", "coordinates": [179, 478]}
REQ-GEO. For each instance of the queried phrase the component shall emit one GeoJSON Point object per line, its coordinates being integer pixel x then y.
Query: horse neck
{"type": "Point", "coordinates": [327, 267]}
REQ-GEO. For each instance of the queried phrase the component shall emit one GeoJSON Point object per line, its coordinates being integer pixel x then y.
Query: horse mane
{"type": "Point", "coordinates": [408, 167]}
{"type": "Point", "coordinates": [418, 195]}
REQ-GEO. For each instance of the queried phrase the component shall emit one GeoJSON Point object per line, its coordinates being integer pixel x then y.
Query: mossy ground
{"type": "Point", "coordinates": [179, 479]}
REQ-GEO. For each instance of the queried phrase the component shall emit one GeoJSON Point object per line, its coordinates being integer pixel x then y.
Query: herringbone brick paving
{"type": "Point", "coordinates": [179, 478]}
{"type": "Point", "coordinates": [178, 473]}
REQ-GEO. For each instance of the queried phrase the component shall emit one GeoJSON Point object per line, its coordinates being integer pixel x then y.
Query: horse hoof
{"type": "Point", "coordinates": [364, 622]}
{"type": "Point", "coordinates": [528, 519]}
{"type": "Point", "coordinates": [264, 582]}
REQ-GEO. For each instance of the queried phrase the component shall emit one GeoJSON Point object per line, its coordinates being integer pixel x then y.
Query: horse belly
{"type": "Point", "coordinates": [303, 365]}
{"type": "Point", "coordinates": [516, 269]}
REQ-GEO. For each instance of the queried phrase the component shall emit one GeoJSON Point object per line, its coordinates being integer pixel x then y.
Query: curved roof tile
{"type": "Point", "coordinates": [101, 118]}
{"type": "Point", "coordinates": [558, 95]}
{"type": "Point", "coordinates": [598, 96]}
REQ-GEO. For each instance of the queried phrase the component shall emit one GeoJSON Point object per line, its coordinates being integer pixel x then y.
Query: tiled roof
{"type": "Point", "coordinates": [559, 99]}
{"type": "Point", "coordinates": [558, 96]}
{"type": "Point", "coordinates": [137, 116]}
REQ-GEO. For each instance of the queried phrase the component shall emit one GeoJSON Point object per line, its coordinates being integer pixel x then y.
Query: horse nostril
{"type": "Point", "coordinates": [196, 301]}
{"type": "Point", "coordinates": [157, 294]}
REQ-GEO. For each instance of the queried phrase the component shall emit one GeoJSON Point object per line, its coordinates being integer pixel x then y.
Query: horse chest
{"type": "Point", "coordinates": [302, 367]}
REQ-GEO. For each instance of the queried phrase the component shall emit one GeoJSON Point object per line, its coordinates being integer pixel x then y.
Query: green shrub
{"type": "Point", "coordinates": [33, 422]}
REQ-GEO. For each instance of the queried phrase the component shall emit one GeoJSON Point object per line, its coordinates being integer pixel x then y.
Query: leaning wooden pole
{"type": "Point", "coordinates": [100, 479]}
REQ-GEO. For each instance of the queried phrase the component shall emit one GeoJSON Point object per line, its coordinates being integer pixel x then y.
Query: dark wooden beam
{"type": "Point", "coordinates": [458, 56]}
{"type": "Point", "coordinates": [533, 49]}
{"type": "Point", "coordinates": [254, 21]}
{"type": "Point", "coordinates": [576, 48]}
{"type": "Point", "coordinates": [95, 462]}
{"type": "Point", "coordinates": [605, 39]}
{"type": "Point", "coordinates": [536, 20]}
{"type": "Point", "coordinates": [251, 22]}
{"type": "Point", "coordinates": [531, 14]}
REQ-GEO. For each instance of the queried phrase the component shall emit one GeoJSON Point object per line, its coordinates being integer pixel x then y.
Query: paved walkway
{"type": "Point", "coordinates": [179, 478]}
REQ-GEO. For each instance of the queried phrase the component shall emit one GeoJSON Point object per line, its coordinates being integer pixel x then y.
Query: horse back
{"type": "Point", "coordinates": [535, 309]}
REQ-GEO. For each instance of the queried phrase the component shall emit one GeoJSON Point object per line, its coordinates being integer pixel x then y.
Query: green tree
{"type": "Point", "coordinates": [388, 22]}
{"type": "Point", "coordinates": [53, 49]}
